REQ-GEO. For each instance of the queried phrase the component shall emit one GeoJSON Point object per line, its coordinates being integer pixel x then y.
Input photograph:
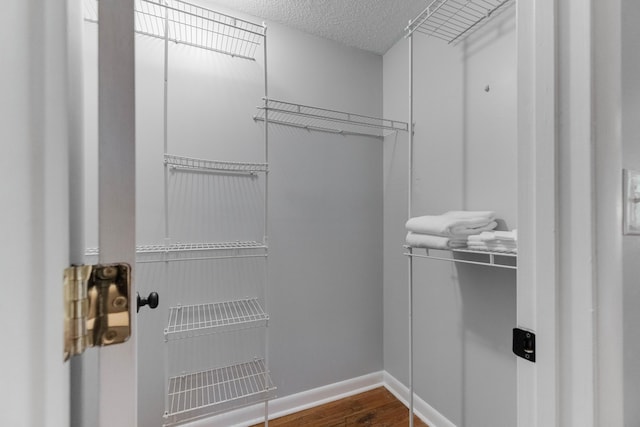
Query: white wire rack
{"type": "Point", "coordinates": [192, 25]}
{"type": "Point", "coordinates": [194, 320]}
{"type": "Point", "coordinates": [452, 20]}
{"type": "Point", "coordinates": [201, 165]}
{"type": "Point", "coordinates": [241, 384]}
{"type": "Point", "coordinates": [188, 247]}
{"type": "Point", "coordinates": [322, 119]}
{"type": "Point", "coordinates": [193, 251]}
{"type": "Point", "coordinates": [467, 256]}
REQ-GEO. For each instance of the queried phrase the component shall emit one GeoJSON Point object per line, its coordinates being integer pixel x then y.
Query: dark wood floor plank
{"type": "Point", "coordinates": [382, 416]}
{"type": "Point", "coordinates": [335, 411]}
{"type": "Point", "coordinates": [377, 407]}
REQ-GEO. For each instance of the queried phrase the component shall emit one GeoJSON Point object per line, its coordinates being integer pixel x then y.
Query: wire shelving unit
{"type": "Point", "coordinates": [223, 388]}
{"type": "Point", "coordinates": [326, 120]}
{"type": "Point", "coordinates": [190, 396]}
{"type": "Point", "coordinates": [453, 20]}
{"type": "Point", "coordinates": [182, 22]}
{"type": "Point", "coordinates": [194, 320]}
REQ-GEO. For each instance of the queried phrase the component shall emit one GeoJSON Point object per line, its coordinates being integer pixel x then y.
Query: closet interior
{"type": "Point", "coordinates": [203, 215]}
{"type": "Point", "coordinates": [259, 220]}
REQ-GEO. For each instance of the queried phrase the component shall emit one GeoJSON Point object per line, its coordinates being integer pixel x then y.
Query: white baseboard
{"type": "Point", "coordinates": [298, 402]}
{"type": "Point", "coordinates": [422, 409]}
{"type": "Point", "coordinates": [318, 396]}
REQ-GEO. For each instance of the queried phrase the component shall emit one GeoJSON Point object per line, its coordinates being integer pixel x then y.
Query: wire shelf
{"type": "Point", "coordinates": [321, 119]}
{"type": "Point", "coordinates": [192, 25]}
{"type": "Point", "coordinates": [467, 256]}
{"type": "Point", "coordinates": [201, 165]}
{"type": "Point", "coordinates": [452, 20]}
{"type": "Point", "coordinates": [188, 247]}
{"type": "Point", "coordinates": [192, 251]}
{"type": "Point", "coordinates": [195, 320]}
{"type": "Point", "coordinates": [192, 395]}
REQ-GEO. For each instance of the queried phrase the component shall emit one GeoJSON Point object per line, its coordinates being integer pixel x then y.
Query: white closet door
{"type": "Point", "coordinates": [34, 249]}
{"type": "Point", "coordinates": [42, 121]}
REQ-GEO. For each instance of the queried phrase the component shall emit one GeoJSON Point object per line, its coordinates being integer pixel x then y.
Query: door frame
{"type": "Point", "coordinates": [117, 373]}
{"type": "Point", "coordinates": [104, 381]}
{"type": "Point", "coordinates": [569, 174]}
{"type": "Point", "coordinates": [537, 276]}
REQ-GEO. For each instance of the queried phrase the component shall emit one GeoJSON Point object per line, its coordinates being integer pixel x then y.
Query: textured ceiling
{"type": "Point", "coordinates": [373, 25]}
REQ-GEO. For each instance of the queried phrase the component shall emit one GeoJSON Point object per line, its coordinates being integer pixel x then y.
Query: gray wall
{"type": "Point", "coordinates": [631, 244]}
{"type": "Point", "coordinates": [325, 206]}
{"type": "Point", "coordinates": [325, 292]}
{"type": "Point", "coordinates": [464, 158]}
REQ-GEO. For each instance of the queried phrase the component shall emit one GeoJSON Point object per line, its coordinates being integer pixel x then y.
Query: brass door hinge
{"type": "Point", "coordinates": [96, 299]}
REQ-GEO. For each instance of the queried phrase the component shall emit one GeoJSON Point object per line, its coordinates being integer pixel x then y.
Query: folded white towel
{"type": "Point", "coordinates": [498, 236]}
{"type": "Point", "coordinates": [453, 223]}
{"type": "Point", "coordinates": [493, 248]}
{"type": "Point", "coordinates": [491, 245]}
{"type": "Point", "coordinates": [507, 235]}
{"type": "Point", "coordinates": [417, 240]}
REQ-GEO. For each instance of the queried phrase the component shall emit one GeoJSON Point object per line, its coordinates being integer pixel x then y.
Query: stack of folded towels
{"type": "Point", "coordinates": [449, 230]}
{"type": "Point", "coordinates": [495, 241]}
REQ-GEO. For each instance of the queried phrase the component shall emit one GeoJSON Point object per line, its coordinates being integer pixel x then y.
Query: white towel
{"type": "Point", "coordinates": [492, 248]}
{"type": "Point", "coordinates": [417, 240]}
{"type": "Point", "coordinates": [507, 235]}
{"type": "Point", "coordinates": [497, 236]}
{"type": "Point", "coordinates": [453, 223]}
{"type": "Point", "coordinates": [494, 241]}
{"type": "Point", "coordinates": [492, 244]}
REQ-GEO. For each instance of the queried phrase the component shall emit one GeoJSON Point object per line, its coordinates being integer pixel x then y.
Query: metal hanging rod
{"type": "Point", "coordinates": [202, 165]}
{"type": "Point", "coordinates": [490, 258]}
{"type": "Point", "coordinates": [186, 23]}
{"type": "Point", "coordinates": [452, 20]}
{"type": "Point", "coordinates": [326, 120]}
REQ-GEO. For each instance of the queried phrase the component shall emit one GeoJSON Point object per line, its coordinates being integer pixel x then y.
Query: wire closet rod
{"type": "Point", "coordinates": [335, 115]}
{"type": "Point", "coordinates": [324, 119]}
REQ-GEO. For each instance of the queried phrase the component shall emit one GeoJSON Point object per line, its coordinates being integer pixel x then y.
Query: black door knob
{"type": "Point", "coordinates": [152, 301]}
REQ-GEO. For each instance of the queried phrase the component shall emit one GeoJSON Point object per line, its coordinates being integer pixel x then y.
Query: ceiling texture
{"type": "Point", "coordinates": [372, 25]}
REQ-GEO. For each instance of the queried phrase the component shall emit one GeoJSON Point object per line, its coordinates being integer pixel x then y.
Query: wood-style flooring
{"type": "Point", "coordinates": [377, 407]}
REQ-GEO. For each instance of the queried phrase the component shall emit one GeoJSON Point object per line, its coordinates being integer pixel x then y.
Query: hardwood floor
{"type": "Point", "coordinates": [377, 407]}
